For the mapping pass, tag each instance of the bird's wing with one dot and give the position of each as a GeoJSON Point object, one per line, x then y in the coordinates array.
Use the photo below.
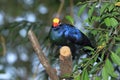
{"type": "Point", "coordinates": [73, 35]}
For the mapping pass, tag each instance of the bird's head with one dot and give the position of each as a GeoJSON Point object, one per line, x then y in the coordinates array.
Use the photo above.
{"type": "Point", "coordinates": [56, 22]}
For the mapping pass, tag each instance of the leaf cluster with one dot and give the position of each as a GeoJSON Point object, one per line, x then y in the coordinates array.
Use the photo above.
{"type": "Point", "coordinates": [104, 26]}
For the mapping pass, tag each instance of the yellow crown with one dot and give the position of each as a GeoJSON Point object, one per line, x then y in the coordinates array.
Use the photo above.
{"type": "Point", "coordinates": [56, 20]}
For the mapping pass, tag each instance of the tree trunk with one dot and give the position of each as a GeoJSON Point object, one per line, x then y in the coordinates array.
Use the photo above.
{"type": "Point", "coordinates": [65, 61]}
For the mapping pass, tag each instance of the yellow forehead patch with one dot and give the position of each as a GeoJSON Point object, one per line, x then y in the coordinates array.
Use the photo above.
{"type": "Point", "coordinates": [56, 20]}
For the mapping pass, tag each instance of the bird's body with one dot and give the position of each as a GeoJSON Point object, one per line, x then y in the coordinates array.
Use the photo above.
{"type": "Point", "coordinates": [68, 35]}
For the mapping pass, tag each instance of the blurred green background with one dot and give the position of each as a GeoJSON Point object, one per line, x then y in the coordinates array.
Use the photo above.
{"type": "Point", "coordinates": [17, 58]}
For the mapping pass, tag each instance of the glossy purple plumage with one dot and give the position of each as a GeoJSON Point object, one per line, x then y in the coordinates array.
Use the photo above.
{"type": "Point", "coordinates": [66, 34]}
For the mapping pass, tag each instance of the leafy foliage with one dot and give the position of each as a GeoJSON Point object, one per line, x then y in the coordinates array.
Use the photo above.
{"type": "Point", "coordinates": [70, 19]}
{"type": "Point", "coordinates": [115, 58]}
{"type": "Point", "coordinates": [103, 19]}
{"type": "Point", "coordinates": [84, 75]}
{"type": "Point", "coordinates": [103, 24]}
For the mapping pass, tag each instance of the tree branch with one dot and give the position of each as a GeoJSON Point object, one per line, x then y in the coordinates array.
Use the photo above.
{"type": "Point", "coordinates": [60, 8]}
{"type": "Point", "coordinates": [51, 72]}
{"type": "Point", "coordinates": [71, 9]}
{"type": "Point", "coordinates": [3, 44]}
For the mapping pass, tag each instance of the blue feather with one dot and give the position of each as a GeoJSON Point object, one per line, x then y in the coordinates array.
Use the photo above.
{"type": "Point", "coordinates": [68, 35]}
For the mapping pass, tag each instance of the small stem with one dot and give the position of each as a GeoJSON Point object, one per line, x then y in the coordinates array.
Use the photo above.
{"type": "Point", "coordinates": [2, 40]}
{"type": "Point", "coordinates": [60, 8]}
{"type": "Point", "coordinates": [88, 62]}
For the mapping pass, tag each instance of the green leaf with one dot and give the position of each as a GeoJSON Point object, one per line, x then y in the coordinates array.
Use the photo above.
{"type": "Point", "coordinates": [115, 58]}
{"type": "Point", "coordinates": [70, 19]}
{"type": "Point", "coordinates": [114, 22]}
{"type": "Point", "coordinates": [115, 13]}
{"type": "Point", "coordinates": [115, 75]}
{"type": "Point", "coordinates": [94, 32]}
{"type": "Point", "coordinates": [110, 22]}
{"type": "Point", "coordinates": [118, 51]}
{"type": "Point", "coordinates": [84, 75]}
{"type": "Point", "coordinates": [104, 74]}
{"type": "Point", "coordinates": [97, 78]}
{"type": "Point", "coordinates": [107, 37]}
{"type": "Point", "coordinates": [107, 22]}
{"type": "Point", "coordinates": [110, 8]}
{"type": "Point", "coordinates": [95, 68]}
{"type": "Point", "coordinates": [77, 77]}
{"type": "Point", "coordinates": [117, 38]}
{"type": "Point", "coordinates": [109, 68]}
{"type": "Point", "coordinates": [90, 12]}
{"type": "Point", "coordinates": [89, 48]}
{"type": "Point", "coordinates": [103, 8]}
{"type": "Point", "coordinates": [75, 68]}
{"type": "Point", "coordinates": [97, 18]}
{"type": "Point", "coordinates": [81, 9]}
{"type": "Point", "coordinates": [79, 3]}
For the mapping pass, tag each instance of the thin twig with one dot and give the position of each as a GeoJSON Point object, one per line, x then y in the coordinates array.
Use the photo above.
{"type": "Point", "coordinates": [3, 43]}
{"type": "Point", "coordinates": [60, 8]}
{"type": "Point", "coordinates": [71, 8]}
